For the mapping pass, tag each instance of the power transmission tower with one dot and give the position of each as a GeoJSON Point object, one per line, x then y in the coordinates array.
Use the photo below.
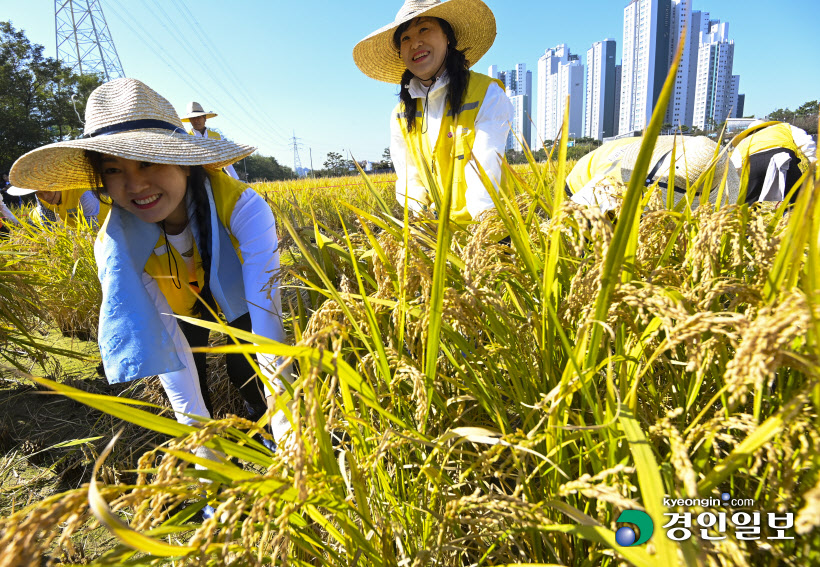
{"type": "Point", "coordinates": [83, 41]}
{"type": "Point", "coordinates": [297, 163]}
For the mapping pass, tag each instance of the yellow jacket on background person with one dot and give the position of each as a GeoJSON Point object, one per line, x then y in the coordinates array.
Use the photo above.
{"type": "Point", "coordinates": [777, 155]}
{"type": "Point", "coordinates": [70, 204]}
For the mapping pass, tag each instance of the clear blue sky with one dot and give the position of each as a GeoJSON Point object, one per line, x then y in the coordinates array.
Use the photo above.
{"type": "Point", "coordinates": [285, 66]}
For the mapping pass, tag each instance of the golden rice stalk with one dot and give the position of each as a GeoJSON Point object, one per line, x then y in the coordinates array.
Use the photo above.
{"type": "Point", "coordinates": [767, 340]}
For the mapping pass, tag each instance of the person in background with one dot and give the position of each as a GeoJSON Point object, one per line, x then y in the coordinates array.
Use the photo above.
{"type": "Point", "coordinates": [777, 155]}
{"type": "Point", "coordinates": [66, 206]}
{"type": "Point", "coordinates": [593, 179]}
{"type": "Point", "coordinates": [196, 117]}
{"type": "Point", "coordinates": [448, 117]}
{"type": "Point", "coordinates": [6, 217]}
{"type": "Point", "coordinates": [10, 200]}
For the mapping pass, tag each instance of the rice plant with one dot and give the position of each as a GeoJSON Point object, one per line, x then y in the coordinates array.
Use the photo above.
{"type": "Point", "coordinates": [66, 287]}
{"type": "Point", "coordinates": [499, 393]}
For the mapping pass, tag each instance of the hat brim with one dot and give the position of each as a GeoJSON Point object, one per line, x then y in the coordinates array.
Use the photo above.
{"type": "Point", "coordinates": [472, 21]}
{"type": "Point", "coordinates": [197, 115]}
{"type": "Point", "coordinates": [19, 192]}
{"type": "Point", "coordinates": [62, 166]}
{"type": "Point", "coordinates": [693, 157]}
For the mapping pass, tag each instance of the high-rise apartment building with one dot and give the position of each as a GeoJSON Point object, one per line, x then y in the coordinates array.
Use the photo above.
{"type": "Point", "coordinates": [699, 23]}
{"type": "Point", "coordinates": [560, 75]}
{"type": "Point", "coordinates": [647, 30]}
{"type": "Point", "coordinates": [616, 118]}
{"type": "Point", "coordinates": [737, 110]}
{"type": "Point", "coordinates": [681, 19]}
{"type": "Point", "coordinates": [715, 99]}
{"type": "Point", "coordinates": [599, 121]}
{"type": "Point", "coordinates": [518, 85]}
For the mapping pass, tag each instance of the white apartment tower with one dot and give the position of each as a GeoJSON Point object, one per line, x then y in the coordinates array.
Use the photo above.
{"type": "Point", "coordinates": [699, 23]}
{"type": "Point", "coordinates": [599, 122]}
{"type": "Point", "coordinates": [715, 98]}
{"type": "Point", "coordinates": [681, 18]}
{"type": "Point", "coordinates": [616, 118]}
{"type": "Point", "coordinates": [560, 74]}
{"type": "Point", "coordinates": [647, 26]}
{"type": "Point", "coordinates": [518, 86]}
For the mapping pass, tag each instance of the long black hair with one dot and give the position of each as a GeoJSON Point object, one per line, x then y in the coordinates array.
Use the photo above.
{"type": "Point", "coordinates": [202, 213]}
{"type": "Point", "coordinates": [455, 64]}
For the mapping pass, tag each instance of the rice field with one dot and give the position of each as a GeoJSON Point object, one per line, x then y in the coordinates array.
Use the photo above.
{"type": "Point", "coordinates": [495, 394]}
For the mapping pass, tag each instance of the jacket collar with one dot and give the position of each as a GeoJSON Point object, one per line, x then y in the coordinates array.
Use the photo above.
{"type": "Point", "coordinates": [417, 90]}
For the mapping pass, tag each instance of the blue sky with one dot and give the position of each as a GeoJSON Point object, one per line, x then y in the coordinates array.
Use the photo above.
{"type": "Point", "coordinates": [276, 67]}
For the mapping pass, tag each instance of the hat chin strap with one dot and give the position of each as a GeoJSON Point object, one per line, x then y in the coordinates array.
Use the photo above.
{"type": "Point", "coordinates": [434, 77]}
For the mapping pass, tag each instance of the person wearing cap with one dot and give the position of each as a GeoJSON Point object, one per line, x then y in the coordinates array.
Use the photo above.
{"type": "Point", "coordinates": [777, 155]}
{"type": "Point", "coordinates": [592, 180]}
{"type": "Point", "coordinates": [196, 117]}
{"type": "Point", "coordinates": [178, 226]}
{"type": "Point", "coordinates": [449, 119]}
{"type": "Point", "coordinates": [65, 206]}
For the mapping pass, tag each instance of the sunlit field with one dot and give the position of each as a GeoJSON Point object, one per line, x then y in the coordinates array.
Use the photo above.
{"type": "Point", "coordinates": [489, 394]}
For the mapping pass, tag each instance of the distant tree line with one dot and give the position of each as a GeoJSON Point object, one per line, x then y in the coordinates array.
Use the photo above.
{"type": "Point", "coordinates": [578, 148]}
{"type": "Point", "coordinates": [262, 168]}
{"type": "Point", "coordinates": [36, 97]}
{"type": "Point", "coordinates": [336, 165]}
{"type": "Point", "coordinates": [804, 117]}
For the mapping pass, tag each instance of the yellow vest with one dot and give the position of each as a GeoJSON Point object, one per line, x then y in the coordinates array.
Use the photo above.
{"type": "Point", "coordinates": [69, 207]}
{"type": "Point", "coordinates": [226, 192]}
{"type": "Point", "coordinates": [598, 162]}
{"type": "Point", "coordinates": [769, 138]}
{"type": "Point", "coordinates": [211, 134]}
{"type": "Point", "coordinates": [448, 160]}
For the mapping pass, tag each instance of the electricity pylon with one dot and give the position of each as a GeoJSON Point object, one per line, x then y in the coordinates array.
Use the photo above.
{"type": "Point", "coordinates": [83, 41]}
{"type": "Point", "coordinates": [297, 163]}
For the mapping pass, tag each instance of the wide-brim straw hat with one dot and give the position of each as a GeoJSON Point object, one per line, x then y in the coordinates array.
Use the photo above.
{"type": "Point", "coordinates": [472, 21]}
{"type": "Point", "coordinates": [194, 110]}
{"type": "Point", "coordinates": [127, 119]}
{"type": "Point", "coordinates": [693, 156]}
{"type": "Point", "coordinates": [18, 192]}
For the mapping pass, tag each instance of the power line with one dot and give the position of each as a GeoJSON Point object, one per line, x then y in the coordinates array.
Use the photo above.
{"type": "Point", "coordinates": [216, 56]}
{"type": "Point", "coordinates": [182, 70]}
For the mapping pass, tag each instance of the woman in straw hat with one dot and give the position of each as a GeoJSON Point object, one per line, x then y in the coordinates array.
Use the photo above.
{"type": "Point", "coordinates": [197, 116]}
{"type": "Point", "coordinates": [448, 117]}
{"type": "Point", "coordinates": [178, 226]}
{"type": "Point", "coordinates": [592, 180]}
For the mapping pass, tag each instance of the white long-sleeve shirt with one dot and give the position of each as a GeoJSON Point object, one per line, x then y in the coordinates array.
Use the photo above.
{"type": "Point", "coordinates": [228, 168]}
{"type": "Point", "coordinates": [6, 213]}
{"type": "Point", "coordinates": [492, 126]}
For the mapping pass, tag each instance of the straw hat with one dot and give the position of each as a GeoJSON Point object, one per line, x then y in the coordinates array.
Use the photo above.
{"type": "Point", "coordinates": [18, 192]}
{"type": "Point", "coordinates": [195, 109]}
{"type": "Point", "coordinates": [127, 119]}
{"type": "Point", "coordinates": [472, 21]}
{"type": "Point", "coordinates": [693, 156]}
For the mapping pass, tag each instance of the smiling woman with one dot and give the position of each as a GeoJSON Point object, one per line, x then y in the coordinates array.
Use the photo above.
{"type": "Point", "coordinates": [179, 230]}
{"type": "Point", "coordinates": [449, 119]}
